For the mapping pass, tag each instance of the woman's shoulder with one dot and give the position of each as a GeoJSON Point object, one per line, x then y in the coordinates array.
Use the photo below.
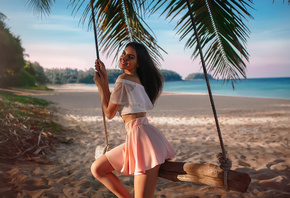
{"type": "Point", "coordinates": [122, 76]}
{"type": "Point", "coordinates": [125, 78]}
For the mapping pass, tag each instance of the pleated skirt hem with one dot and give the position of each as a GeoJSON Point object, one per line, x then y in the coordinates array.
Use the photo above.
{"type": "Point", "coordinates": [145, 147]}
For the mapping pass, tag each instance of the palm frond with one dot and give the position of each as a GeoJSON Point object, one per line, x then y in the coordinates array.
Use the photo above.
{"type": "Point", "coordinates": [221, 29]}
{"type": "Point", "coordinates": [283, 1]}
{"type": "Point", "coordinates": [40, 7]}
{"type": "Point", "coordinates": [119, 22]}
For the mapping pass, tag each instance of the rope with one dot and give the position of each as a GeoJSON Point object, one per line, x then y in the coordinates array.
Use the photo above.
{"type": "Point", "coordinates": [95, 30]}
{"type": "Point", "coordinates": [225, 165]}
{"type": "Point", "coordinates": [107, 147]}
{"type": "Point", "coordinates": [222, 156]}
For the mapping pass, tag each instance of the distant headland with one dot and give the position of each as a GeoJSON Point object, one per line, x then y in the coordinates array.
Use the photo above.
{"type": "Point", "coordinates": [197, 76]}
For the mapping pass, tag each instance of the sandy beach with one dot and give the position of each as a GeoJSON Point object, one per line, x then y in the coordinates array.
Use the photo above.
{"type": "Point", "coordinates": [256, 134]}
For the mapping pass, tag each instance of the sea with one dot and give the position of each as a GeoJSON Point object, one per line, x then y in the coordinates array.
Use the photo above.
{"type": "Point", "coordinates": [251, 87]}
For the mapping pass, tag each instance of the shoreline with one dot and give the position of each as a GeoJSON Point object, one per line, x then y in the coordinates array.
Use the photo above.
{"type": "Point", "coordinates": [203, 94]}
{"type": "Point", "coordinates": [95, 90]}
{"type": "Point", "coordinates": [255, 132]}
{"type": "Point", "coordinates": [82, 87]}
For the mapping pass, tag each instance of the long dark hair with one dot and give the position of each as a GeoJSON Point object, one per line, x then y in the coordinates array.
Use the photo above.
{"type": "Point", "coordinates": [148, 72]}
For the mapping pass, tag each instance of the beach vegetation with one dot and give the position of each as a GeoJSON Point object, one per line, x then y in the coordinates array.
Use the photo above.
{"type": "Point", "coordinates": [37, 72]}
{"type": "Point", "coordinates": [11, 56]}
{"type": "Point", "coordinates": [10, 97]}
{"type": "Point", "coordinates": [112, 76]}
{"type": "Point", "coordinates": [67, 75]}
{"type": "Point", "coordinates": [23, 79]}
{"type": "Point", "coordinates": [14, 70]}
{"type": "Point", "coordinates": [31, 76]}
{"type": "Point", "coordinates": [27, 127]}
{"type": "Point", "coordinates": [88, 79]}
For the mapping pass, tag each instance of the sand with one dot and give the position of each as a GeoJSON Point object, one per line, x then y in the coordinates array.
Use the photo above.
{"type": "Point", "coordinates": [256, 134]}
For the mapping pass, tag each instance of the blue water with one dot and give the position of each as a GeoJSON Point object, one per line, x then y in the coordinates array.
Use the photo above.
{"type": "Point", "coordinates": [253, 87]}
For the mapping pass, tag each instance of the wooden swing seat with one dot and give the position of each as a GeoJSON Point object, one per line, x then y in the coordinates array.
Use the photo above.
{"type": "Point", "coordinates": [206, 174]}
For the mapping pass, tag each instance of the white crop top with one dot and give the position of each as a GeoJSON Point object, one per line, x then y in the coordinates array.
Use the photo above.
{"type": "Point", "coordinates": [131, 97]}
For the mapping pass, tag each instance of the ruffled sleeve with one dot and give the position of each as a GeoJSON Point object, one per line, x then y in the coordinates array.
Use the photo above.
{"type": "Point", "coordinates": [130, 94]}
{"type": "Point", "coordinates": [120, 94]}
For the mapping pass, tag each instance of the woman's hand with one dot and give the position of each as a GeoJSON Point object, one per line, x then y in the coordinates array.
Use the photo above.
{"type": "Point", "coordinates": [101, 77]}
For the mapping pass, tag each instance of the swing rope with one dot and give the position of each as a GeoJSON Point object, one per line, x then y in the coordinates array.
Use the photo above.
{"type": "Point", "coordinates": [107, 147]}
{"type": "Point", "coordinates": [225, 163]}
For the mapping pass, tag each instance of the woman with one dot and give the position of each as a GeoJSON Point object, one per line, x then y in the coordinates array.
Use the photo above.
{"type": "Point", "coordinates": [145, 148]}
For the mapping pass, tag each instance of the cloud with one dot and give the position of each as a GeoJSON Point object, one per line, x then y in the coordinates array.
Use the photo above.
{"type": "Point", "coordinates": [55, 55]}
{"type": "Point", "coordinates": [274, 51]}
{"type": "Point", "coordinates": [74, 55]}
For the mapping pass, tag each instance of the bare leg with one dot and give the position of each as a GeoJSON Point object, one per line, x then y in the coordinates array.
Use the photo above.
{"type": "Point", "coordinates": [145, 184]}
{"type": "Point", "coordinates": [102, 171]}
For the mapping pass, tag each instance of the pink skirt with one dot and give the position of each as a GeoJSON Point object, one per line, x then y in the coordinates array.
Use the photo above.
{"type": "Point", "coordinates": [145, 148]}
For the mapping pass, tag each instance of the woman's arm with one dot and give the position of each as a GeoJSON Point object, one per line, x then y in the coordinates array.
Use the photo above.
{"type": "Point", "coordinates": [101, 80]}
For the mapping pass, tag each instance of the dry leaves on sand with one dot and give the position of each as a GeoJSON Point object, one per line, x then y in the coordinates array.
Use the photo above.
{"type": "Point", "coordinates": [26, 130]}
{"type": "Point", "coordinates": [18, 139]}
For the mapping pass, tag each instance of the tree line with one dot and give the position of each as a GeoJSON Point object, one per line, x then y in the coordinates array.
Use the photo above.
{"type": "Point", "coordinates": [67, 75]}
{"type": "Point", "coordinates": [14, 70]}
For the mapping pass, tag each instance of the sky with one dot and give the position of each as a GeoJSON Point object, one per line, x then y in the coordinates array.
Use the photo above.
{"type": "Point", "coordinates": [59, 41]}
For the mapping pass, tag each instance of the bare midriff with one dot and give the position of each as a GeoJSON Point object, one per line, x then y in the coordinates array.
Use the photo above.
{"type": "Point", "coordinates": [128, 117]}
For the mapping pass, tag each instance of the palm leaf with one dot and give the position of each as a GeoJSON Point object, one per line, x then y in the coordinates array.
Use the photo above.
{"type": "Point", "coordinates": [283, 1]}
{"type": "Point", "coordinates": [40, 7]}
{"type": "Point", "coordinates": [223, 34]}
{"type": "Point", "coordinates": [119, 22]}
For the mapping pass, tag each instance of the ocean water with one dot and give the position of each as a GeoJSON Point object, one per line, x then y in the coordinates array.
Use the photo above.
{"type": "Point", "coordinates": [253, 87]}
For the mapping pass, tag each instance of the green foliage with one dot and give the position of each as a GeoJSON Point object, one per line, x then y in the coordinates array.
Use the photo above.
{"type": "Point", "coordinates": [23, 79]}
{"type": "Point", "coordinates": [37, 72]}
{"type": "Point", "coordinates": [22, 99]}
{"type": "Point", "coordinates": [11, 56]}
{"type": "Point", "coordinates": [67, 75]}
{"type": "Point", "coordinates": [29, 68]}
{"type": "Point", "coordinates": [63, 76]}
{"type": "Point", "coordinates": [58, 80]}
{"type": "Point", "coordinates": [89, 79]}
{"type": "Point", "coordinates": [197, 76]}
{"type": "Point", "coordinates": [170, 75]}
{"type": "Point", "coordinates": [14, 71]}
{"type": "Point", "coordinates": [4, 78]}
